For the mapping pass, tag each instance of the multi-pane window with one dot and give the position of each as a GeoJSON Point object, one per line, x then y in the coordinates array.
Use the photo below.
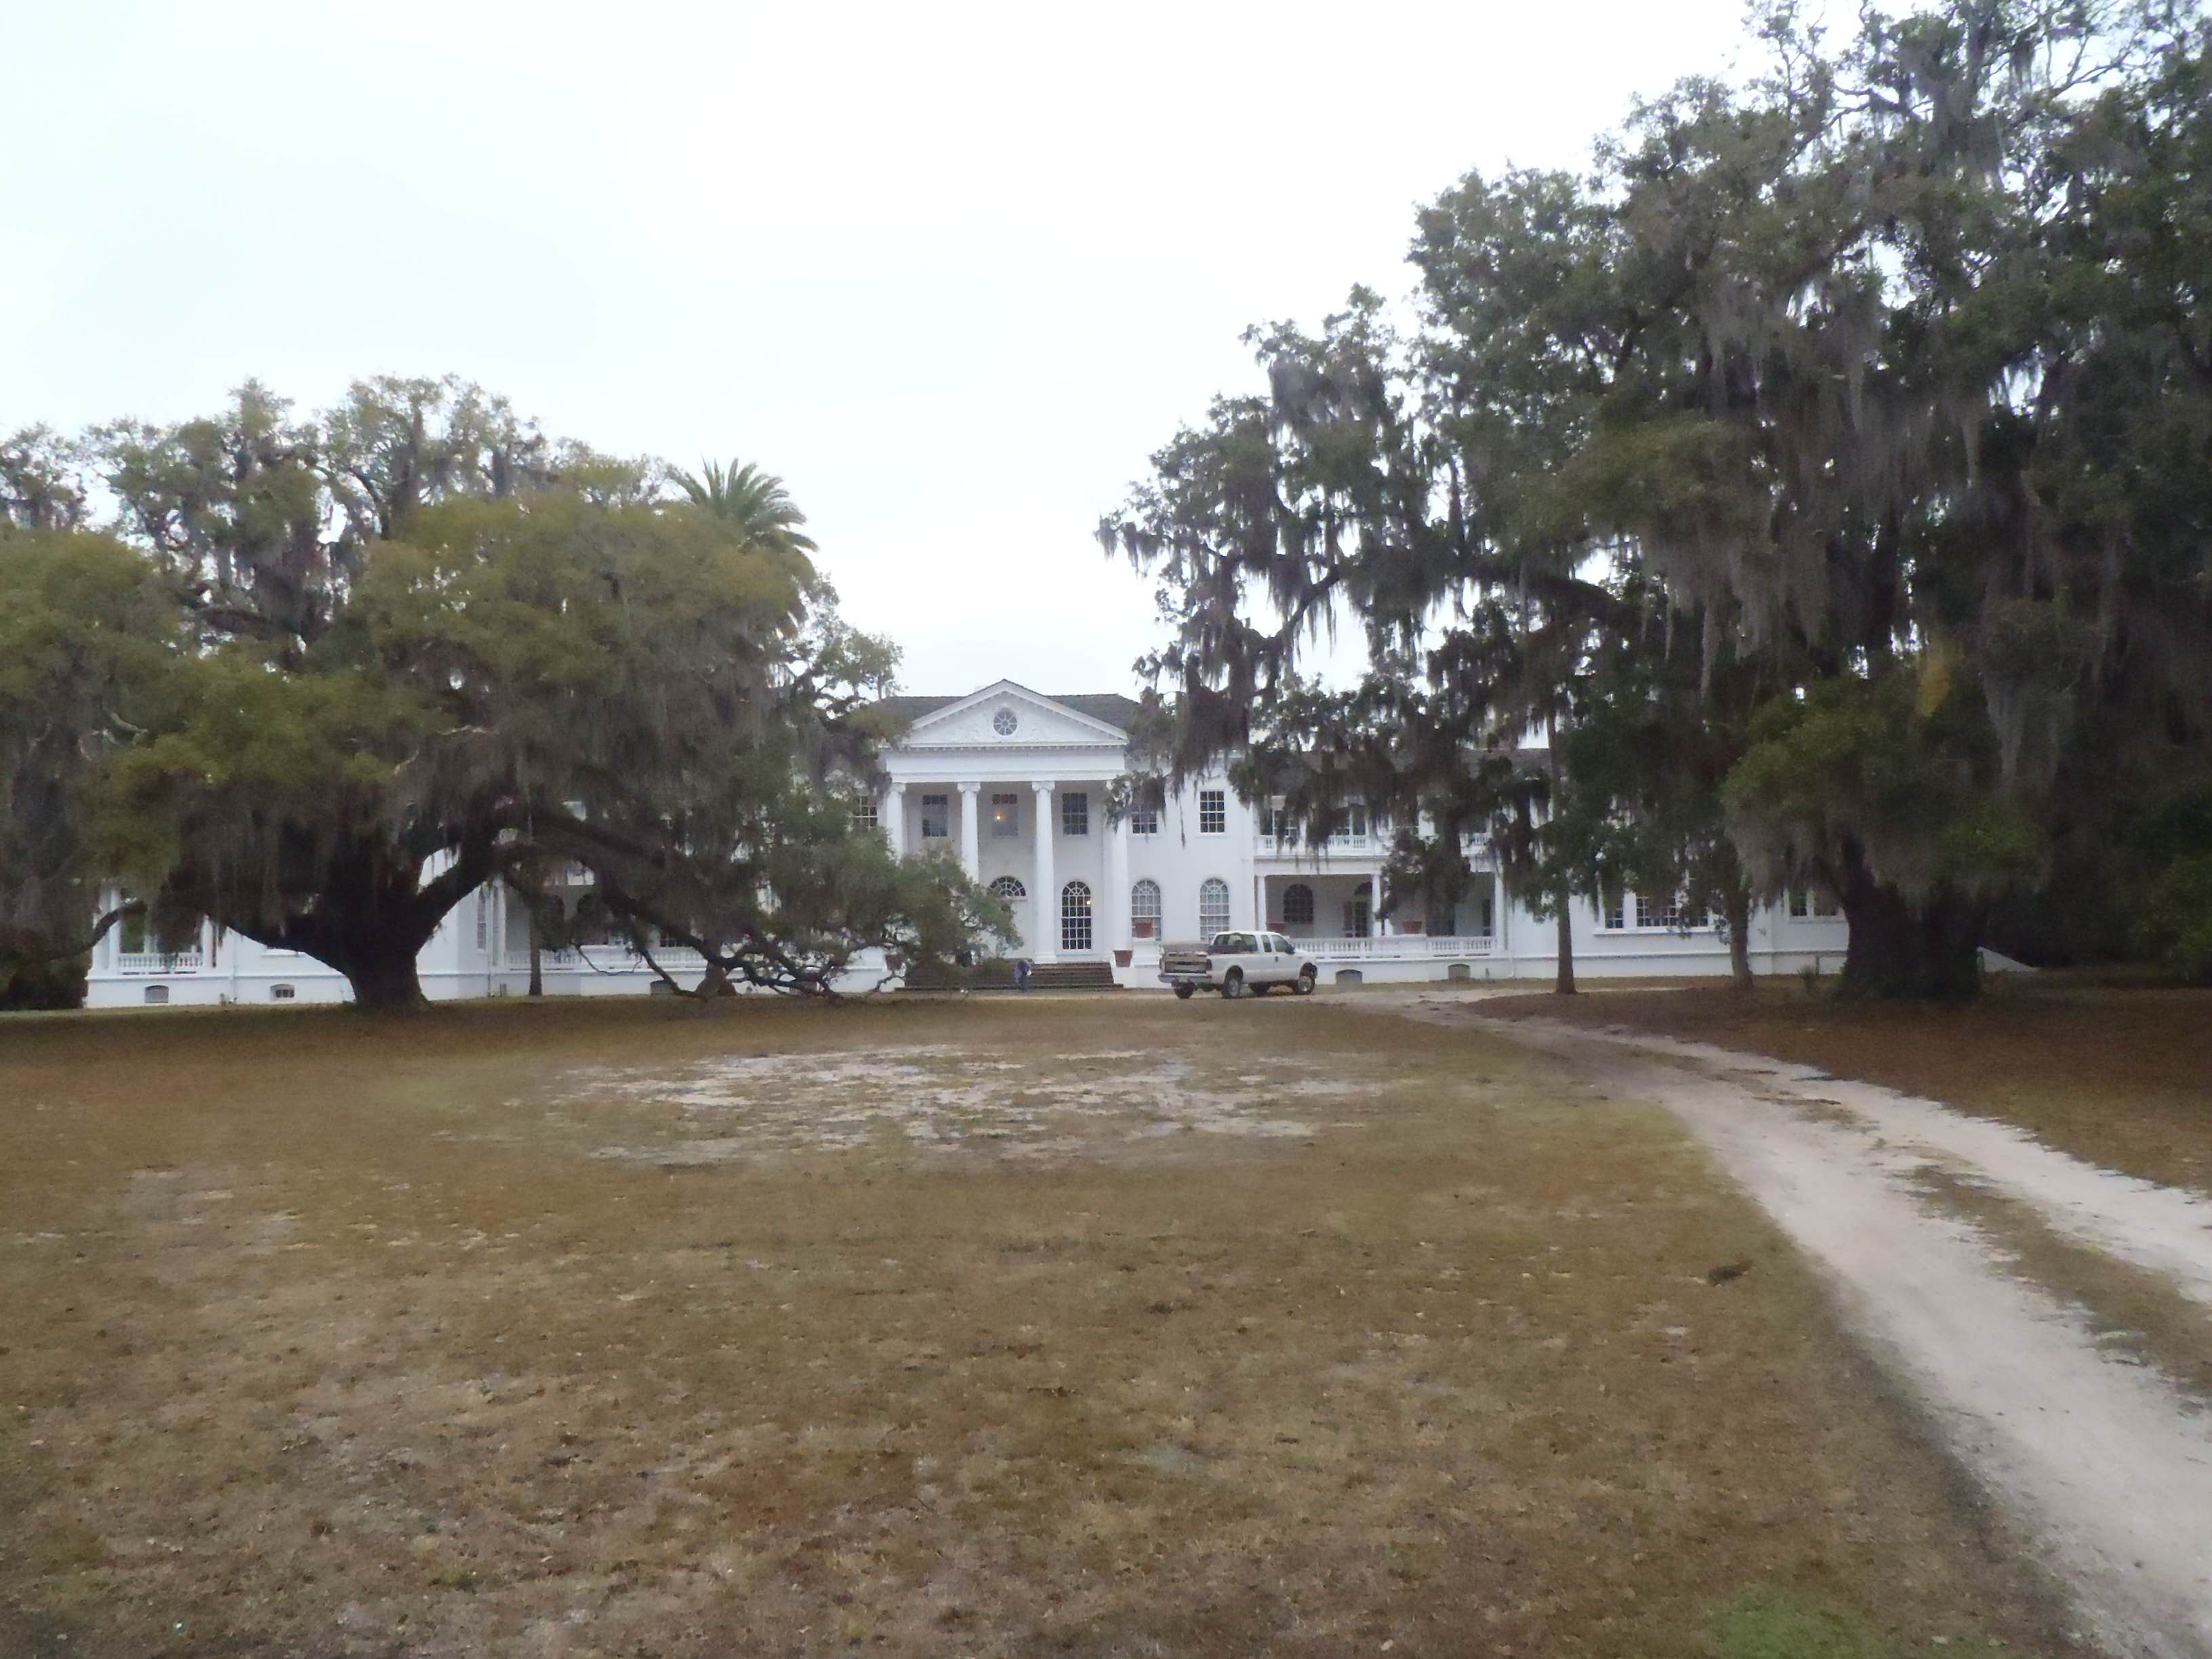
{"type": "Point", "coordinates": [1010, 888]}
{"type": "Point", "coordinates": [1214, 811]}
{"type": "Point", "coordinates": [865, 815]}
{"type": "Point", "coordinates": [1616, 910]}
{"type": "Point", "coordinates": [1805, 902]}
{"type": "Point", "coordinates": [484, 917]}
{"type": "Point", "coordinates": [1144, 810]}
{"type": "Point", "coordinates": [1144, 909]}
{"type": "Point", "coordinates": [1075, 813]}
{"type": "Point", "coordinates": [1075, 916]}
{"type": "Point", "coordinates": [1276, 823]}
{"type": "Point", "coordinates": [1005, 817]}
{"type": "Point", "coordinates": [1213, 906]}
{"type": "Point", "coordinates": [1652, 912]}
{"type": "Point", "coordinates": [936, 816]}
{"type": "Point", "coordinates": [1297, 905]}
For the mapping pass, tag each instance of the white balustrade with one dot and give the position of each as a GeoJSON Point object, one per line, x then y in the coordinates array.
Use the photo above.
{"type": "Point", "coordinates": [159, 962]}
{"type": "Point", "coordinates": [611, 958]}
{"type": "Point", "coordinates": [1396, 946]}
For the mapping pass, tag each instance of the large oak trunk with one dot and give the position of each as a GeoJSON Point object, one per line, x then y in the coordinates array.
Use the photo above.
{"type": "Point", "coordinates": [373, 910]}
{"type": "Point", "coordinates": [1930, 952]}
{"type": "Point", "coordinates": [382, 971]}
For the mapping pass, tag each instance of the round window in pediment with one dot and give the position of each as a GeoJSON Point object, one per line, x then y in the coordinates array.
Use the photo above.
{"type": "Point", "coordinates": [1005, 722]}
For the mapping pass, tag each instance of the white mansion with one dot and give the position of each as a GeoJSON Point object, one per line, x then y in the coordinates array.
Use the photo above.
{"type": "Point", "coordinates": [1018, 783]}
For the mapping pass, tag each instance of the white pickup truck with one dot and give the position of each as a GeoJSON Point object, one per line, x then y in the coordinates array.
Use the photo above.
{"type": "Point", "coordinates": [1238, 964]}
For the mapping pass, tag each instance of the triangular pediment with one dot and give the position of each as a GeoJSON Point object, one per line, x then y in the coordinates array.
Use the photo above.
{"type": "Point", "coordinates": [1009, 715]}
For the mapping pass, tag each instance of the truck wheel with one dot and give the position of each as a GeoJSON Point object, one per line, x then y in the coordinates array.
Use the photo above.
{"type": "Point", "coordinates": [1233, 985]}
{"type": "Point", "coordinates": [1305, 982]}
{"type": "Point", "coordinates": [1183, 993]}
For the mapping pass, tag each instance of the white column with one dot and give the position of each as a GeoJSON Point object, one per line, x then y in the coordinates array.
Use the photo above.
{"type": "Point", "coordinates": [1114, 908]}
{"type": "Point", "coordinates": [895, 819]}
{"type": "Point", "coordinates": [971, 840]}
{"type": "Point", "coordinates": [1044, 891]}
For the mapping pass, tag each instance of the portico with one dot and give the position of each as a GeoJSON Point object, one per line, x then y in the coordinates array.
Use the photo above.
{"type": "Point", "coordinates": [1017, 787]}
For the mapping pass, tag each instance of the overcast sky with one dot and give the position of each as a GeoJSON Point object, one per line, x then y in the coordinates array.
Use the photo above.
{"type": "Point", "coordinates": [954, 272]}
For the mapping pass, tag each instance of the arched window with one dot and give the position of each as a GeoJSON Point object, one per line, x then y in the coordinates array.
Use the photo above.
{"type": "Point", "coordinates": [1075, 916]}
{"type": "Point", "coordinates": [1144, 909]}
{"type": "Point", "coordinates": [1297, 905]}
{"type": "Point", "coordinates": [1010, 888]}
{"type": "Point", "coordinates": [1213, 907]}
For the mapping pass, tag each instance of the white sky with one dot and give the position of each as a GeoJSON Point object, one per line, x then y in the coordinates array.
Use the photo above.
{"type": "Point", "coordinates": [953, 272]}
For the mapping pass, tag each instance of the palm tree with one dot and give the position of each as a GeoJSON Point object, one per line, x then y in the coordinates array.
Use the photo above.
{"type": "Point", "coordinates": [754, 501]}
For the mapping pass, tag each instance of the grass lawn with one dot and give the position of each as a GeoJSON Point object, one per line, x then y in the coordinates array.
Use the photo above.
{"type": "Point", "coordinates": [1100, 1327]}
{"type": "Point", "coordinates": [2120, 1076]}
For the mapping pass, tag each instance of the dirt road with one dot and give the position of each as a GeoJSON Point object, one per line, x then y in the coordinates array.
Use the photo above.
{"type": "Point", "coordinates": [2101, 1462]}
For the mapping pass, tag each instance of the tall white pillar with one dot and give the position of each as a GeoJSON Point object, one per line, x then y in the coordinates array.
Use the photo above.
{"type": "Point", "coordinates": [895, 819]}
{"type": "Point", "coordinates": [1113, 906]}
{"type": "Point", "coordinates": [1044, 891]}
{"type": "Point", "coordinates": [971, 840]}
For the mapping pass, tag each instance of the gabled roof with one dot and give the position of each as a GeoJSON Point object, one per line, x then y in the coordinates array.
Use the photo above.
{"type": "Point", "coordinates": [1109, 708]}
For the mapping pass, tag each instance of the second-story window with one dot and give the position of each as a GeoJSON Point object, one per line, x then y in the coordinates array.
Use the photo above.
{"type": "Point", "coordinates": [1212, 812]}
{"type": "Point", "coordinates": [936, 818]}
{"type": "Point", "coordinates": [864, 815]}
{"type": "Point", "coordinates": [1144, 810]}
{"type": "Point", "coordinates": [1075, 813]}
{"type": "Point", "coordinates": [1005, 817]}
{"type": "Point", "coordinates": [1276, 823]}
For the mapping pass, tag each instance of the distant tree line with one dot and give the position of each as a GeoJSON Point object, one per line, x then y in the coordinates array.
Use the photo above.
{"type": "Point", "coordinates": [1822, 479]}
{"type": "Point", "coordinates": [317, 678]}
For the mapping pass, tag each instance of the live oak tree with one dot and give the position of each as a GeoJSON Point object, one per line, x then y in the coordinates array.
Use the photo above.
{"type": "Point", "coordinates": [1864, 405]}
{"type": "Point", "coordinates": [675, 705]}
{"type": "Point", "coordinates": [425, 647]}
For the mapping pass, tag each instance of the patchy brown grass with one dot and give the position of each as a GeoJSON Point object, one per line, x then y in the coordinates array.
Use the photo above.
{"type": "Point", "coordinates": [2119, 1075]}
{"type": "Point", "coordinates": [1152, 1329]}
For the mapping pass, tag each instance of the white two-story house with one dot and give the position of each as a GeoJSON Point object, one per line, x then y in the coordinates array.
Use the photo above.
{"type": "Point", "coordinates": [1016, 784]}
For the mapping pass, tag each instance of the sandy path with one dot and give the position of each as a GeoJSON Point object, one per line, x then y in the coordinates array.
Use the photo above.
{"type": "Point", "coordinates": [2097, 1459]}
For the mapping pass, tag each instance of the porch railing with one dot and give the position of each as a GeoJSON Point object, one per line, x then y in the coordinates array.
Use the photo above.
{"type": "Point", "coordinates": [613, 958]}
{"type": "Point", "coordinates": [1396, 946]}
{"type": "Point", "coordinates": [159, 962]}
